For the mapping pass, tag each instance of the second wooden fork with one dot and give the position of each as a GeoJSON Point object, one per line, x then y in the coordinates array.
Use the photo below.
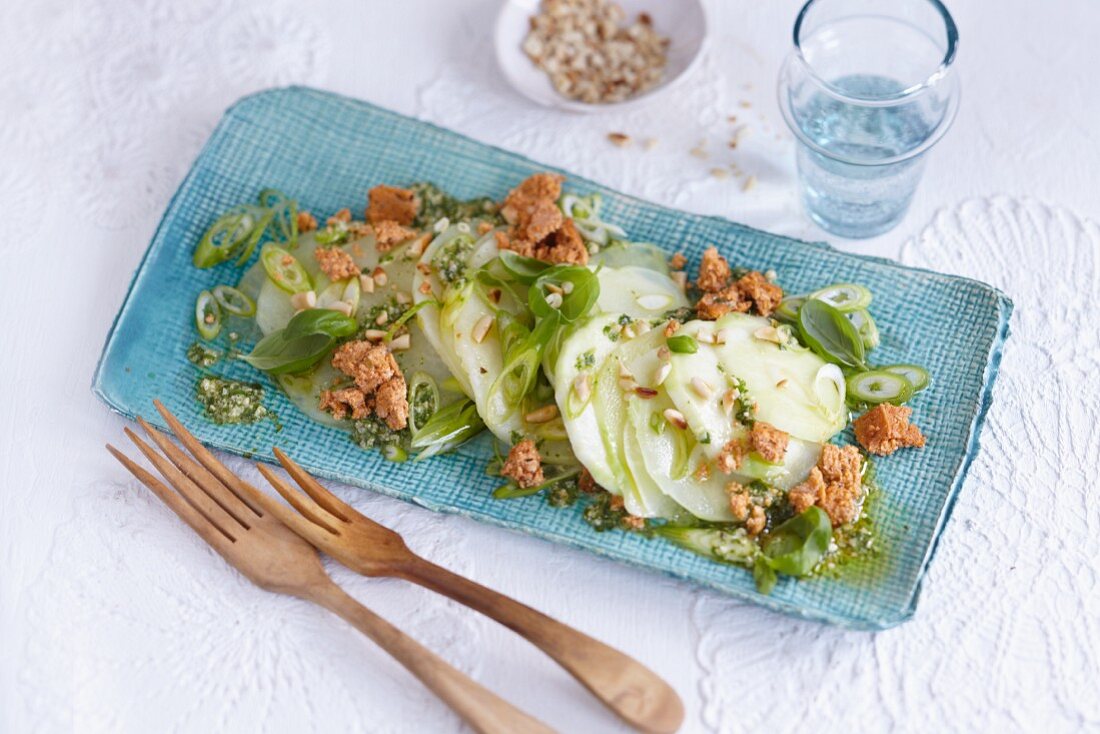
{"type": "Point", "coordinates": [632, 691]}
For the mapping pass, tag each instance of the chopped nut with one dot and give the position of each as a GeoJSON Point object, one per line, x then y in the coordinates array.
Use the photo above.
{"type": "Point", "coordinates": [382, 318]}
{"type": "Point", "coordinates": [620, 139]}
{"type": "Point", "coordinates": [675, 417]}
{"type": "Point", "coordinates": [366, 283]}
{"type": "Point", "coordinates": [304, 300]}
{"type": "Point", "coordinates": [523, 465]}
{"type": "Point", "coordinates": [342, 306]}
{"type": "Point", "coordinates": [582, 386]}
{"type": "Point", "coordinates": [402, 298]}
{"type": "Point", "coordinates": [646, 393]}
{"type": "Point", "coordinates": [481, 328]}
{"type": "Point", "coordinates": [380, 277]}
{"type": "Point", "coordinates": [400, 343]}
{"type": "Point", "coordinates": [662, 374]}
{"type": "Point", "coordinates": [701, 387]}
{"type": "Point", "coordinates": [545, 414]}
{"type": "Point", "coordinates": [374, 334]}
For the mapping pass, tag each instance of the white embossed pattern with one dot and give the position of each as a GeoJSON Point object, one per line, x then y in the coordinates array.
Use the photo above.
{"type": "Point", "coordinates": [1007, 634]}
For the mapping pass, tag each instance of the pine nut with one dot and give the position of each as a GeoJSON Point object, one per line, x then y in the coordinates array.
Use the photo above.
{"type": "Point", "coordinates": [675, 417]}
{"type": "Point", "coordinates": [400, 343]}
{"type": "Point", "coordinates": [374, 334]}
{"type": "Point", "coordinates": [380, 277]}
{"type": "Point", "coordinates": [645, 392]}
{"type": "Point", "coordinates": [554, 300]}
{"type": "Point", "coordinates": [582, 385]}
{"type": "Point", "coordinates": [664, 355]}
{"type": "Point", "coordinates": [342, 306]}
{"type": "Point", "coordinates": [553, 288]}
{"type": "Point", "coordinates": [723, 336]}
{"type": "Point", "coordinates": [366, 283]}
{"type": "Point", "coordinates": [382, 318]}
{"type": "Point", "coordinates": [701, 388]}
{"type": "Point", "coordinates": [481, 328]}
{"type": "Point", "coordinates": [402, 298]}
{"type": "Point", "coordinates": [567, 287]}
{"type": "Point", "coordinates": [304, 300]}
{"type": "Point", "coordinates": [662, 373]}
{"type": "Point", "coordinates": [545, 414]}
{"type": "Point", "coordinates": [768, 334]}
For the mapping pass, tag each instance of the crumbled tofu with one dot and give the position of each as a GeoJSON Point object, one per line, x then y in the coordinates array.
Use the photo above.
{"type": "Point", "coordinates": [343, 402]}
{"type": "Point", "coordinates": [769, 441]}
{"type": "Point", "coordinates": [306, 222]}
{"type": "Point", "coordinates": [633, 522]}
{"type": "Point", "coordinates": [484, 228]}
{"type": "Point", "coordinates": [677, 261]}
{"type": "Point", "coordinates": [758, 519]}
{"type": "Point", "coordinates": [751, 290]}
{"type": "Point", "coordinates": [730, 457]}
{"type": "Point", "coordinates": [840, 470]}
{"type": "Point", "coordinates": [341, 217]}
{"type": "Point", "coordinates": [714, 271]}
{"type": "Point", "coordinates": [531, 208]}
{"type": "Point", "coordinates": [739, 501]}
{"type": "Point", "coordinates": [808, 493]}
{"type": "Point", "coordinates": [563, 246]}
{"type": "Point", "coordinates": [389, 203]}
{"type": "Point", "coordinates": [388, 233]}
{"type": "Point", "coordinates": [586, 483]}
{"type": "Point", "coordinates": [713, 306]}
{"type": "Point", "coordinates": [886, 428]}
{"type": "Point", "coordinates": [377, 378]}
{"type": "Point", "coordinates": [764, 295]}
{"type": "Point", "coordinates": [335, 263]}
{"type": "Point", "coordinates": [524, 465]}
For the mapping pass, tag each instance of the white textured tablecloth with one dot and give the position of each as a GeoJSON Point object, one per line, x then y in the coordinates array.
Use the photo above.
{"type": "Point", "coordinates": [113, 617]}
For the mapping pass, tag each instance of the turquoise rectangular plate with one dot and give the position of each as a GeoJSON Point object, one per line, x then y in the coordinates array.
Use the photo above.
{"type": "Point", "coordinates": [327, 150]}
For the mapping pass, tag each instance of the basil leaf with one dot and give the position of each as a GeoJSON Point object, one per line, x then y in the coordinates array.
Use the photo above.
{"type": "Point", "coordinates": [308, 338]}
{"type": "Point", "coordinates": [832, 336]}
{"type": "Point", "coordinates": [796, 546]}
{"type": "Point", "coordinates": [523, 269]}
{"type": "Point", "coordinates": [584, 290]}
{"type": "Point", "coordinates": [682, 344]}
{"type": "Point", "coordinates": [321, 321]}
{"type": "Point", "coordinates": [278, 354]}
{"type": "Point", "coordinates": [764, 576]}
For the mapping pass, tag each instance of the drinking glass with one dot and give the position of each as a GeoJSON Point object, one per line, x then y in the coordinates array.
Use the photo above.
{"type": "Point", "coordinates": [867, 90]}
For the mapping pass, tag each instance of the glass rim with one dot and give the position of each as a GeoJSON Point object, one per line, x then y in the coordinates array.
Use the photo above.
{"type": "Point", "coordinates": [941, 70]}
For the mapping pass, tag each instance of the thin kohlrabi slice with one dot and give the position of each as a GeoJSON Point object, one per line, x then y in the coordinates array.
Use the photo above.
{"type": "Point", "coordinates": [638, 292]}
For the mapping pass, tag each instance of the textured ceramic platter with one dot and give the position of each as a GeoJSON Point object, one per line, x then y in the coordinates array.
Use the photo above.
{"type": "Point", "coordinates": [326, 151]}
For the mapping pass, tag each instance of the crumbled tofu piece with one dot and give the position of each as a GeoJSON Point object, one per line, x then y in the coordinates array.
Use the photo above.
{"type": "Point", "coordinates": [359, 229]}
{"type": "Point", "coordinates": [335, 263]}
{"type": "Point", "coordinates": [377, 377]}
{"type": "Point", "coordinates": [739, 501]}
{"type": "Point", "coordinates": [524, 465]}
{"type": "Point", "coordinates": [343, 402]}
{"type": "Point", "coordinates": [531, 208]}
{"type": "Point", "coordinates": [764, 295]}
{"type": "Point", "coordinates": [586, 483]}
{"type": "Point", "coordinates": [730, 457]}
{"type": "Point", "coordinates": [563, 246]}
{"type": "Point", "coordinates": [306, 222]}
{"type": "Point", "coordinates": [886, 428]}
{"type": "Point", "coordinates": [840, 470]}
{"type": "Point", "coordinates": [751, 290]}
{"type": "Point", "coordinates": [389, 203]}
{"type": "Point", "coordinates": [388, 233]}
{"type": "Point", "coordinates": [633, 522]}
{"type": "Point", "coordinates": [714, 271]}
{"type": "Point", "coordinates": [484, 228]}
{"type": "Point", "coordinates": [677, 261]}
{"type": "Point", "coordinates": [758, 519]}
{"type": "Point", "coordinates": [769, 441]}
{"type": "Point", "coordinates": [808, 493]}
{"type": "Point", "coordinates": [341, 217]}
{"type": "Point", "coordinates": [713, 306]}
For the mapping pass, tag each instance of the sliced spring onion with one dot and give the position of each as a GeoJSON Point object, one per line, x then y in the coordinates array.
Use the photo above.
{"type": "Point", "coordinates": [865, 325]}
{"type": "Point", "coordinates": [233, 301]}
{"type": "Point", "coordinates": [447, 429]}
{"type": "Point", "coordinates": [393, 452]}
{"type": "Point", "coordinates": [879, 386]}
{"type": "Point", "coordinates": [208, 315]}
{"type": "Point", "coordinates": [401, 320]}
{"type": "Point", "coordinates": [788, 308]}
{"type": "Point", "coordinates": [421, 384]}
{"type": "Point", "coordinates": [284, 269]}
{"type": "Point", "coordinates": [233, 233]}
{"type": "Point", "coordinates": [683, 344]}
{"type": "Point", "coordinates": [918, 376]}
{"type": "Point", "coordinates": [511, 491]}
{"type": "Point", "coordinates": [284, 216]}
{"type": "Point", "coordinates": [844, 297]}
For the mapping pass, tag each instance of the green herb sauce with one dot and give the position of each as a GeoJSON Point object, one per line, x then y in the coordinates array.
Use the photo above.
{"type": "Point", "coordinates": [373, 433]}
{"type": "Point", "coordinates": [231, 402]}
{"type": "Point", "coordinates": [450, 262]}
{"type": "Point", "coordinates": [586, 360]}
{"type": "Point", "coordinates": [201, 355]}
{"type": "Point", "coordinates": [436, 204]}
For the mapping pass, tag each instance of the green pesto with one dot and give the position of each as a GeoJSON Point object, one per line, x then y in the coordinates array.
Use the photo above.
{"type": "Point", "coordinates": [588, 359]}
{"type": "Point", "coordinates": [373, 433]}
{"type": "Point", "coordinates": [450, 262]}
{"type": "Point", "coordinates": [422, 406]}
{"type": "Point", "coordinates": [436, 204]}
{"type": "Point", "coordinates": [201, 355]}
{"type": "Point", "coordinates": [230, 401]}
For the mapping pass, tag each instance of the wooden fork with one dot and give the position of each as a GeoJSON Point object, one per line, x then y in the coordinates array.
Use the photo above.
{"type": "Point", "coordinates": [228, 513]}
{"type": "Point", "coordinates": [632, 691]}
